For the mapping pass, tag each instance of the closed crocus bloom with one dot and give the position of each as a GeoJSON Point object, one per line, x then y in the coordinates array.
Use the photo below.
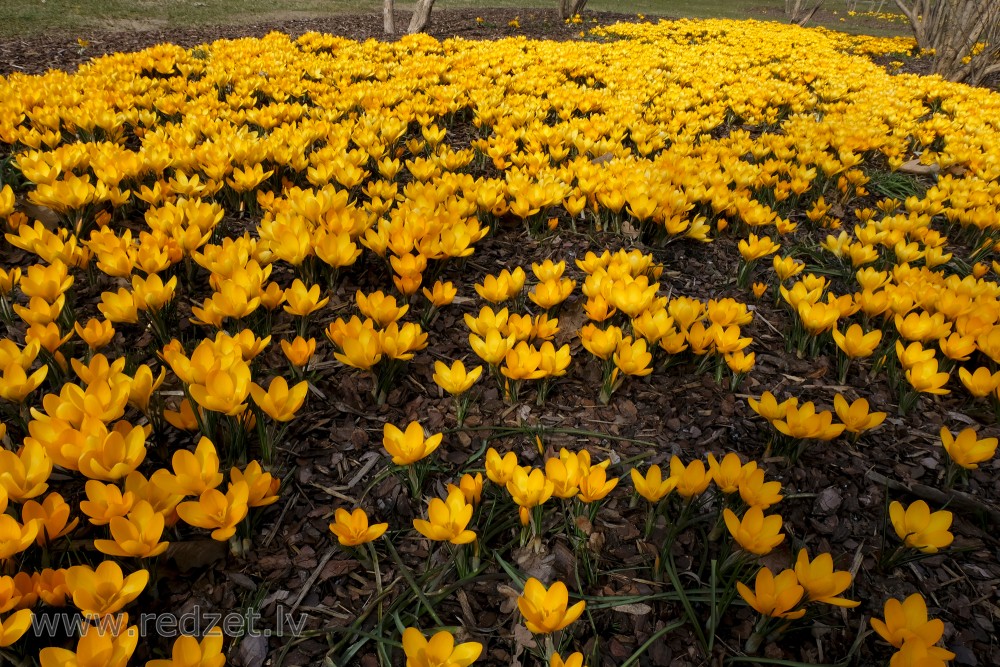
{"type": "Point", "coordinates": [439, 651]}
{"type": "Point", "coordinates": [401, 342]}
{"type": "Point", "coordinates": [194, 473]}
{"type": "Point", "coordinates": [410, 446]}
{"type": "Point", "coordinates": [981, 382]}
{"type": "Point", "coordinates": [301, 300]}
{"type": "Point", "coordinates": [46, 282]}
{"type": "Point", "coordinates": [51, 587]}
{"type": "Point", "coordinates": [602, 343]}
{"type": "Point", "coordinates": [774, 596]}
{"type": "Point", "coordinates": [455, 380]}
{"type": "Point", "coordinates": [352, 529]}
{"type": "Point", "coordinates": [447, 519]}
{"type": "Point", "coordinates": [855, 343]}
{"type": "Point", "coordinates": [818, 317]}
{"type": "Point", "coordinates": [142, 386]}
{"type": "Point", "coordinates": [361, 352]}
{"type": "Point", "coordinates": [598, 308]}
{"type": "Point", "coordinates": [471, 487]}
{"type": "Point", "coordinates": [804, 423]}
{"type": "Point", "coordinates": [15, 537]}
{"type": "Point", "coordinates": [551, 293]}
{"type": "Point", "coordinates": [919, 528]}
{"type": "Point", "coordinates": [183, 417]}
{"type": "Point", "coordinates": [565, 474]}
{"type": "Point", "coordinates": [754, 247]}
{"type": "Point", "coordinates": [441, 294]}
{"type": "Point", "coordinates": [263, 487]}
{"type": "Point", "coordinates": [39, 311]}
{"type": "Point", "coordinates": [118, 307]}
{"type": "Point", "coordinates": [379, 307]}
{"type": "Point", "coordinates": [47, 336]}
{"type": "Point", "coordinates": [856, 415]}
{"type": "Point", "coordinates": [500, 470]}
{"type": "Point", "coordinates": [652, 486]}
{"type": "Point", "coordinates": [912, 354]}
{"type": "Point", "coordinates": [728, 474]}
{"type": "Point", "coordinates": [821, 582]}
{"type": "Point", "coordinates": [554, 361]}
{"type": "Point", "coordinates": [492, 348]}
{"type": "Point", "coordinates": [136, 535]}
{"type": "Point", "coordinates": [755, 533]}
{"type": "Point", "coordinates": [224, 390]}
{"type": "Point", "coordinates": [161, 500]}
{"type": "Point", "coordinates": [690, 480]}
{"type": "Point", "coordinates": [522, 362]}
{"type": "Point", "coordinates": [96, 334]}
{"type": "Point", "coordinates": [529, 490]}
{"type": "Point", "coordinates": [15, 384]}
{"type": "Point", "coordinates": [119, 453]}
{"type": "Point", "coordinates": [756, 492]}
{"type": "Point", "coordinates": [769, 408]}
{"type": "Point", "coordinates": [14, 627]}
{"type": "Point", "coordinates": [956, 346]}
{"type": "Point", "coordinates": [595, 485]}
{"type": "Point", "coordinates": [105, 590]}
{"type": "Point", "coordinates": [299, 351]}
{"type": "Point", "coordinates": [925, 378]}
{"type": "Point", "coordinates": [487, 320]}
{"type": "Point", "coordinates": [913, 652]}
{"type": "Point", "coordinates": [495, 289]}
{"type": "Point", "coordinates": [217, 512]}
{"type": "Point", "coordinates": [906, 621]}
{"type": "Point", "coordinates": [105, 501]}
{"type": "Point", "coordinates": [152, 293]}
{"type": "Point", "coordinates": [633, 358]}
{"type": "Point", "coordinates": [8, 279]}
{"type": "Point", "coordinates": [189, 652]}
{"type": "Point", "coordinates": [574, 660]}
{"type": "Point", "coordinates": [52, 515]}
{"type": "Point", "coordinates": [25, 475]}
{"type": "Point", "coordinates": [279, 402]}
{"type": "Point", "coordinates": [786, 267]}
{"type": "Point", "coordinates": [967, 450]}
{"type": "Point", "coordinates": [547, 610]}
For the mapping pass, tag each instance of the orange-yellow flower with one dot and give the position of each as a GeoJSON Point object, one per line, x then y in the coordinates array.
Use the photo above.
{"type": "Point", "coordinates": [919, 528]}
{"type": "Point", "coordinates": [907, 620]}
{"type": "Point", "coordinates": [455, 380]}
{"type": "Point", "coordinates": [352, 529]}
{"type": "Point", "coordinates": [105, 590]}
{"type": "Point", "coordinates": [774, 596]}
{"type": "Point", "coordinates": [279, 402]}
{"type": "Point", "coordinates": [447, 519]}
{"type": "Point", "coordinates": [755, 532]}
{"type": "Point", "coordinates": [218, 512]}
{"type": "Point", "coordinates": [189, 652]}
{"type": "Point", "coordinates": [439, 651]}
{"type": "Point", "coordinates": [820, 581]}
{"type": "Point", "coordinates": [136, 535]}
{"type": "Point", "coordinates": [546, 610]}
{"type": "Point", "coordinates": [967, 450]}
{"type": "Point", "coordinates": [408, 446]}
{"type": "Point", "coordinates": [652, 486]}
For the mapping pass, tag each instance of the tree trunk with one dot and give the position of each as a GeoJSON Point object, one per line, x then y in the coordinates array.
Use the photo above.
{"type": "Point", "coordinates": [421, 15]}
{"type": "Point", "coordinates": [568, 8]}
{"type": "Point", "coordinates": [388, 19]}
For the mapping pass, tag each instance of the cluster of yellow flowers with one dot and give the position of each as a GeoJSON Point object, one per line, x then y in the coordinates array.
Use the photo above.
{"type": "Point", "coordinates": [249, 174]}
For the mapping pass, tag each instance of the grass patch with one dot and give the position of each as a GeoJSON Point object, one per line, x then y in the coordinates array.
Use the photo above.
{"type": "Point", "coordinates": [38, 17]}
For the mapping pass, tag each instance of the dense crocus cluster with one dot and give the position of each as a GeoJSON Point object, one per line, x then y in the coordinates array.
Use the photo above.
{"type": "Point", "coordinates": [181, 215]}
